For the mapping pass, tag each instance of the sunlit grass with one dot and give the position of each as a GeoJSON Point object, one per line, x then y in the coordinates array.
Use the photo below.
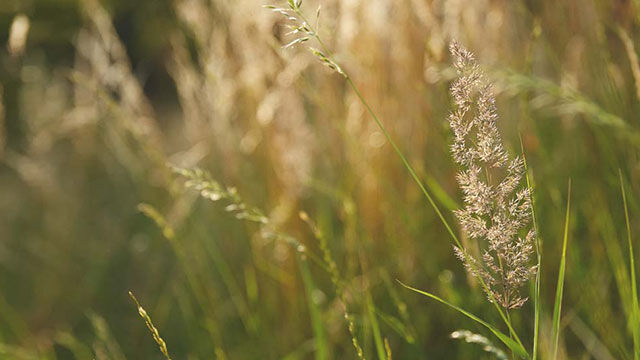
{"type": "Point", "coordinates": [312, 171]}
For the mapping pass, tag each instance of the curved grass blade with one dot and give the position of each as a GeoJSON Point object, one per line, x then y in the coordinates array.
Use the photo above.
{"type": "Point", "coordinates": [635, 325]}
{"type": "Point", "coordinates": [377, 335]}
{"type": "Point", "coordinates": [557, 307]}
{"type": "Point", "coordinates": [514, 346]}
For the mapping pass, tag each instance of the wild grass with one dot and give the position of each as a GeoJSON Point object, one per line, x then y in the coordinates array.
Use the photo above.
{"type": "Point", "coordinates": [557, 304]}
{"type": "Point", "coordinates": [265, 207]}
{"type": "Point", "coordinates": [147, 320]}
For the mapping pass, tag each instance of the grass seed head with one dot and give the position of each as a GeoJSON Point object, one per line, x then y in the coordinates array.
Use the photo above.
{"type": "Point", "coordinates": [495, 210]}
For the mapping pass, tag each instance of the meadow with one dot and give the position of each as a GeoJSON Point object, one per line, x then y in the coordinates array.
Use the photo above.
{"type": "Point", "coordinates": [239, 179]}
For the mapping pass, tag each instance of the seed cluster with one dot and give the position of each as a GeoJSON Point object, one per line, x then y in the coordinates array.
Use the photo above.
{"type": "Point", "coordinates": [496, 210]}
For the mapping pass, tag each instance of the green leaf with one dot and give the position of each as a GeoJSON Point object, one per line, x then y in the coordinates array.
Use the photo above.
{"type": "Point", "coordinates": [514, 346]}
{"type": "Point", "coordinates": [377, 336]}
{"type": "Point", "coordinates": [635, 324]}
{"type": "Point", "coordinates": [557, 307]}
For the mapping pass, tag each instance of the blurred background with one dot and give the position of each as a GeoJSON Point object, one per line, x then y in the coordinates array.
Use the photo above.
{"type": "Point", "coordinates": [97, 97]}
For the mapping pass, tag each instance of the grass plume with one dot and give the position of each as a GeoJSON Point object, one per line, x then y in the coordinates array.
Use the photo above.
{"type": "Point", "coordinates": [495, 210]}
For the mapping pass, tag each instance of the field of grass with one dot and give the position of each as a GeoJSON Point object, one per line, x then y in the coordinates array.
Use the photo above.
{"type": "Point", "coordinates": [210, 179]}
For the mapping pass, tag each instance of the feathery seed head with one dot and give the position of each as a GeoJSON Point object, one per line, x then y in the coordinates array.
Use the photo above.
{"type": "Point", "coordinates": [495, 211]}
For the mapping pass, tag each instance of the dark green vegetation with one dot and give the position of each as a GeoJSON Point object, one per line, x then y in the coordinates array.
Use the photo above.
{"type": "Point", "coordinates": [314, 214]}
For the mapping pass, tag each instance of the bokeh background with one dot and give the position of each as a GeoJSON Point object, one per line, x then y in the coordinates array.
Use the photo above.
{"type": "Point", "coordinates": [97, 97]}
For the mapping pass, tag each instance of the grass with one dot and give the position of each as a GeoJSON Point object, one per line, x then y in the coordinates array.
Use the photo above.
{"type": "Point", "coordinates": [537, 301]}
{"type": "Point", "coordinates": [152, 329]}
{"type": "Point", "coordinates": [298, 195]}
{"type": "Point", "coordinates": [634, 320]}
{"type": "Point", "coordinates": [507, 340]}
{"type": "Point", "coordinates": [557, 303]}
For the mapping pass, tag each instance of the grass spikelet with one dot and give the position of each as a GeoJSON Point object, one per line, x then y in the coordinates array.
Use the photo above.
{"type": "Point", "coordinates": [336, 280]}
{"type": "Point", "coordinates": [201, 181]}
{"type": "Point", "coordinates": [18, 35]}
{"type": "Point", "coordinates": [486, 344]}
{"type": "Point", "coordinates": [154, 332]}
{"type": "Point", "coordinates": [161, 222]}
{"type": "Point", "coordinates": [387, 349]}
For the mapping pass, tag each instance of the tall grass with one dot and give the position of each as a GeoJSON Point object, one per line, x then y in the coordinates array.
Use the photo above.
{"type": "Point", "coordinates": [330, 169]}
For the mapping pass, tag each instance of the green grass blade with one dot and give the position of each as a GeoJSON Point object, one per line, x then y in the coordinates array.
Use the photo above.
{"type": "Point", "coordinates": [377, 337]}
{"type": "Point", "coordinates": [536, 294]}
{"type": "Point", "coordinates": [440, 194]}
{"type": "Point", "coordinates": [517, 349]}
{"type": "Point", "coordinates": [76, 347]}
{"type": "Point", "coordinates": [316, 314]}
{"type": "Point", "coordinates": [635, 324]}
{"type": "Point", "coordinates": [557, 306]}
{"type": "Point", "coordinates": [232, 286]}
{"type": "Point", "coordinates": [396, 325]}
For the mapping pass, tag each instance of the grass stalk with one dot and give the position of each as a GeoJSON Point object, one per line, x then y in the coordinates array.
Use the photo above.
{"type": "Point", "coordinates": [375, 328]}
{"type": "Point", "coordinates": [557, 307]}
{"type": "Point", "coordinates": [317, 323]}
{"type": "Point", "coordinates": [154, 331]}
{"type": "Point", "coordinates": [536, 294]}
{"type": "Point", "coordinates": [514, 346]}
{"type": "Point", "coordinates": [336, 280]}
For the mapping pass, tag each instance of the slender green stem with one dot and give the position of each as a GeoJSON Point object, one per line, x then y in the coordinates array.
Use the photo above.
{"type": "Point", "coordinates": [536, 293]}
{"type": "Point", "coordinates": [404, 161]}
{"type": "Point", "coordinates": [557, 309]}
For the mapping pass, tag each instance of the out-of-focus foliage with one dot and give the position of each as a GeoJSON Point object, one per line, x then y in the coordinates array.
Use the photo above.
{"type": "Point", "coordinates": [98, 97]}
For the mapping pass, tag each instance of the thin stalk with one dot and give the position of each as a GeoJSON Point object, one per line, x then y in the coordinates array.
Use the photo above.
{"type": "Point", "coordinates": [315, 312]}
{"type": "Point", "coordinates": [404, 161]}
{"type": "Point", "coordinates": [635, 327]}
{"type": "Point", "coordinates": [536, 293]}
{"type": "Point", "coordinates": [557, 308]}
